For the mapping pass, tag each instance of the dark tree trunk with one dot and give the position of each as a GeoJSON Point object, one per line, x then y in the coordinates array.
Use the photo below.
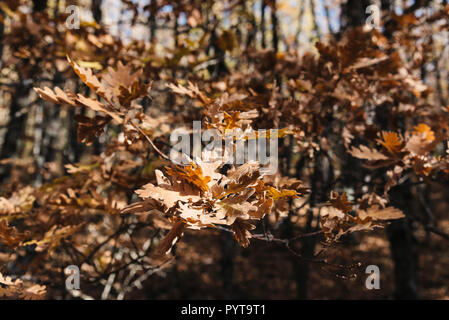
{"type": "Point", "coordinates": [176, 30]}
{"type": "Point", "coordinates": [97, 11]}
{"type": "Point", "coordinates": [39, 5]}
{"type": "Point", "coordinates": [2, 32]}
{"type": "Point", "coordinates": [275, 25]}
{"type": "Point", "coordinates": [400, 233]}
{"type": "Point", "coordinates": [322, 176]}
{"type": "Point", "coordinates": [14, 130]}
{"type": "Point", "coordinates": [16, 125]}
{"type": "Point", "coordinates": [152, 21]}
{"type": "Point", "coordinates": [402, 247]}
{"type": "Point", "coordinates": [252, 29]}
{"type": "Point", "coordinates": [386, 5]}
{"type": "Point", "coordinates": [56, 9]}
{"type": "Point", "coordinates": [353, 13]}
{"type": "Point", "coordinates": [228, 248]}
{"type": "Point", "coordinates": [262, 23]}
{"type": "Point", "coordinates": [220, 67]}
{"type": "Point", "coordinates": [302, 266]}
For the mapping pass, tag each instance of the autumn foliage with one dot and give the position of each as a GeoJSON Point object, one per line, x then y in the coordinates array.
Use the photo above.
{"type": "Point", "coordinates": [360, 136]}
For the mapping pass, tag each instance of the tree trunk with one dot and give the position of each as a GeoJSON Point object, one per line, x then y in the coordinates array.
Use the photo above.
{"type": "Point", "coordinates": [322, 176]}
{"type": "Point", "coordinates": [152, 20]}
{"type": "Point", "coordinates": [386, 5]}
{"type": "Point", "coordinates": [353, 13]}
{"type": "Point", "coordinates": [252, 29]}
{"type": "Point", "coordinates": [14, 130]}
{"type": "Point", "coordinates": [97, 11]}
{"type": "Point", "coordinates": [227, 264]}
{"type": "Point", "coordinates": [275, 25]}
{"type": "Point", "coordinates": [262, 23]}
{"type": "Point", "coordinates": [402, 247]}
{"type": "Point", "coordinates": [2, 32]}
{"type": "Point", "coordinates": [16, 125]}
{"type": "Point", "coordinates": [39, 5]}
{"type": "Point", "coordinates": [399, 232]}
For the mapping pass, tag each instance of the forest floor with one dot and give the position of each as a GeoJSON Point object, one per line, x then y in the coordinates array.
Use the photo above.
{"type": "Point", "coordinates": [265, 270]}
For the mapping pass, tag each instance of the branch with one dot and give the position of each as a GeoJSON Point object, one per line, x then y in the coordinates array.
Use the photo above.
{"type": "Point", "coordinates": [438, 232]}
{"type": "Point", "coordinates": [163, 155]}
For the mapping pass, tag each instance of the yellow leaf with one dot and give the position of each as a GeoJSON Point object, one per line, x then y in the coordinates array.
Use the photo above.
{"type": "Point", "coordinates": [90, 64]}
{"type": "Point", "coordinates": [425, 130]}
{"type": "Point", "coordinates": [284, 193]}
{"type": "Point", "coordinates": [391, 142]}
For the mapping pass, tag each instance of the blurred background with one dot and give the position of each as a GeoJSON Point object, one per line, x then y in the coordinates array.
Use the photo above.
{"type": "Point", "coordinates": [169, 39]}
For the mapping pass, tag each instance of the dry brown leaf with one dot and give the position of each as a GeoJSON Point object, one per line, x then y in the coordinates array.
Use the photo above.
{"type": "Point", "coordinates": [340, 202]}
{"type": "Point", "coordinates": [377, 213]}
{"type": "Point", "coordinates": [363, 152]}
{"type": "Point", "coordinates": [241, 230]}
{"type": "Point", "coordinates": [171, 238]}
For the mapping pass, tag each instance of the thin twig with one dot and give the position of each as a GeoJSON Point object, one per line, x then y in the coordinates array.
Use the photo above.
{"type": "Point", "coordinates": [163, 155]}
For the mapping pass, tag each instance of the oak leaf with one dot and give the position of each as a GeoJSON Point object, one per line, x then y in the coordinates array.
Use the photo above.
{"type": "Point", "coordinates": [378, 213]}
{"type": "Point", "coordinates": [340, 202]}
{"type": "Point", "coordinates": [241, 230]}
{"type": "Point", "coordinates": [363, 152]}
{"type": "Point", "coordinates": [391, 142]}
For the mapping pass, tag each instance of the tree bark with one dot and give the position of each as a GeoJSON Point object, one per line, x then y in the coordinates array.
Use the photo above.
{"type": "Point", "coordinates": [322, 176]}
{"type": "Point", "coordinates": [227, 264]}
{"type": "Point", "coordinates": [353, 13]}
{"type": "Point", "coordinates": [14, 130]}
{"type": "Point", "coordinates": [262, 23]}
{"type": "Point", "coordinates": [152, 20]}
{"type": "Point", "coordinates": [97, 11]}
{"type": "Point", "coordinates": [399, 232]}
{"type": "Point", "coordinates": [2, 32]}
{"type": "Point", "coordinates": [385, 5]}
{"type": "Point", "coordinates": [402, 247]}
{"type": "Point", "coordinates": [275, 26]}
{"type": "Point", "coordinates": [39, 5]}
{"type": "Point", "coordinates": [253, 28]}
{"type": "Point", "coordinates": [16, 125]}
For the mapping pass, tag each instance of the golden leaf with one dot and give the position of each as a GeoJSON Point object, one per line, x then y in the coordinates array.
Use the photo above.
{"type": "Point", "coordinates": [363, 152]}
{"type": "Point", "coordinates": [425, 131]}
{"type": "Point", "coordinates": [275, 194]}
{"type": "Point", "coordinates": [391, 142]}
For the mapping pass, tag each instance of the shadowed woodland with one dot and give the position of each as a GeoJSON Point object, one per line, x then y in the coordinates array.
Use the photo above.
{"type": "Point", "coordinates": [86, 179]}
